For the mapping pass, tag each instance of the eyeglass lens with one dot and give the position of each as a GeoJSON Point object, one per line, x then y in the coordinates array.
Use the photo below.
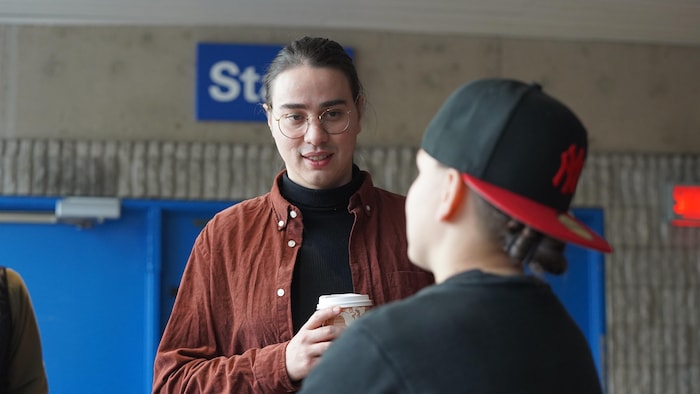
{"type": "Point", "coordinates": [332, 120]}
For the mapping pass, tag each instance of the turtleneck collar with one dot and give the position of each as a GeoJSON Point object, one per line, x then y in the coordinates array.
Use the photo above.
{"type": "Point", "coordinates": [336, 198]}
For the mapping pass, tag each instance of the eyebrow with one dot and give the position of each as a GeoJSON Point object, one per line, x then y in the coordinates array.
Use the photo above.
{"type": "Point", "coordinates": [324, 104]}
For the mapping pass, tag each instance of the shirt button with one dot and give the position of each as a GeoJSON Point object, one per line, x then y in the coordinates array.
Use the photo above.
{"type": "Point", "coordinates": [368, 208]}
{"type": "Point", "coordinates": [280, 292]}
{"type": "Point", "coordinates": [291, 243]}
{"type": "Point", "coordinates": [281, 223]}
{"type": "Point", "coordinates": [293, 214]}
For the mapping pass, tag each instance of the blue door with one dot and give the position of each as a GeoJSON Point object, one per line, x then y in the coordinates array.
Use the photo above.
{"type": "Point", "coordinates": [180, 228]}
{"type": "Point", "coordinates": [88, 287]}
{"type": "Point", "coordinates": [103, 293]}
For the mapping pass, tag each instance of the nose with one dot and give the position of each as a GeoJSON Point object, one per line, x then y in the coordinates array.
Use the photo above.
{"type": "Point", "coordinates": [315, 134]}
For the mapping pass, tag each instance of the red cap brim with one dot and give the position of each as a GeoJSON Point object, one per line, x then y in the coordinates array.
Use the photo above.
{"type": "Point", "coordinates": [560, 225]}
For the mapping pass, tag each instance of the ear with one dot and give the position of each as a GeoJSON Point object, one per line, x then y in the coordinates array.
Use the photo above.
{"type": "Point", "coordinates": [453, 195]}
{"type": "Point", "coordinates": [268, 113]}
{"type": "Point", "coordinates": [360, 105]}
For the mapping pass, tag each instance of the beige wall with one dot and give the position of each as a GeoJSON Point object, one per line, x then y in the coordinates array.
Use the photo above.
{"type": "Point", "coordinates": [137, 83]}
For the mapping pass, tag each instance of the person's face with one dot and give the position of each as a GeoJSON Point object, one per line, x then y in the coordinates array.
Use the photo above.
{"type": "Point", "coordinates": [422, 203]}
{"type": "Point", "coordinates": [318, 160]}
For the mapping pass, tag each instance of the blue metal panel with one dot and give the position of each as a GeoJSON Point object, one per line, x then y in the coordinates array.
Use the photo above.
{"type": "Point", "coordinates": [582, 288]}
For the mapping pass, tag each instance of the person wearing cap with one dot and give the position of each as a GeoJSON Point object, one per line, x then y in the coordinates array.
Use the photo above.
{"type": "Point", "coordinates": [497, 170]}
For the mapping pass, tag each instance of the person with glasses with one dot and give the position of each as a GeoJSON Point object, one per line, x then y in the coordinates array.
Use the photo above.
{"type": "Point", "coordinates": [245, 319]}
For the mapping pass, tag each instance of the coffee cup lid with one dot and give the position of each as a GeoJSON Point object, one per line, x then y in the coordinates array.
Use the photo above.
{"type": "Point", "coordinates": [343, 300]}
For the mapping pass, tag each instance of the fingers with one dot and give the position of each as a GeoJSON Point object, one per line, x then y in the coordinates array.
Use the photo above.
{"type": "Point", "coordinates": [321, 316]}
{"type": "Point", "coordinates": [312, 340]}
{"type": "Point", "coordinates": [301, 360]}
{"type": "Point", "coordinates": [316, 349]}
{"type": "Point", "coordinates": [316, 331]}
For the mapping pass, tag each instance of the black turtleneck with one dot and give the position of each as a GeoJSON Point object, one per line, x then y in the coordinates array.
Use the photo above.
{"type": "Point", "coordinates": [322, 265]}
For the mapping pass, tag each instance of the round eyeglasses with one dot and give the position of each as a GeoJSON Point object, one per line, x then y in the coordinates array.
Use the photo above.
{"type": "Point", "coordinates": [296, 124]}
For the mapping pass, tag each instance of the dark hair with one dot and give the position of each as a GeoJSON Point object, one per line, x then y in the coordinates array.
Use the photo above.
{"type": "Point", "coordinates": [315, 52]}
{"type": "Point", "coordinates": [523, 244]}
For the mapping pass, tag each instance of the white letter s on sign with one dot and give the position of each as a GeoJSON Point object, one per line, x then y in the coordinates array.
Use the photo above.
{"type": "Point", "coordinates": [226, 87]}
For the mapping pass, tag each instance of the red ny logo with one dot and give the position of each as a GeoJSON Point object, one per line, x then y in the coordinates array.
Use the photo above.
{"type": "Point", "coordinates": [569, 170]}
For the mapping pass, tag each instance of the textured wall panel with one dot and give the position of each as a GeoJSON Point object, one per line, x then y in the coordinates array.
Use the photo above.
{"type": "Point", "coordinates": [653, 275]}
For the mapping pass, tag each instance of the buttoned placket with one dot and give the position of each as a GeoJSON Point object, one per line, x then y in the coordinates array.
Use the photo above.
{"type": "Point", "coordinates": [290, 230]}
{"type": "Point", "coordinates": [292, 214]}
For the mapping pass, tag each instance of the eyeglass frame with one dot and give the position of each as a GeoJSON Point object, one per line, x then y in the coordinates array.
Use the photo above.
{"type": "Point", "coordinates": [308, 122]}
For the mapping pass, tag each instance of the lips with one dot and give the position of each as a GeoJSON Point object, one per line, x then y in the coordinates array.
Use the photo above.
{"type": "Point", "coordinates": [317, 156]}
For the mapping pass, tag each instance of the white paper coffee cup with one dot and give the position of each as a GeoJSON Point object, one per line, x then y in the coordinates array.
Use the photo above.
{"type": "Point", "coordinates": [352, 307]}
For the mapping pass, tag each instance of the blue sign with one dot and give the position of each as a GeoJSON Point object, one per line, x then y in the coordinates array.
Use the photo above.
{"type": "Point", "coordinates": [229, 81]}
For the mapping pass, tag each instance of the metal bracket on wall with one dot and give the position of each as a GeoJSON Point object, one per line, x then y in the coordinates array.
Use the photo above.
{"type": "Point", "coordinates": [80, 211]}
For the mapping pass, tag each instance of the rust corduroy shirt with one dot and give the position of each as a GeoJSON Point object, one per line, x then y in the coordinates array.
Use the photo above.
{"type": "Point", "coordinates": [232, 321]}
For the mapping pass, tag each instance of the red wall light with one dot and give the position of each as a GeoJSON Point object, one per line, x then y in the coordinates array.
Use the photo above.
{"type": "Point", "coordinates": [685, 210]}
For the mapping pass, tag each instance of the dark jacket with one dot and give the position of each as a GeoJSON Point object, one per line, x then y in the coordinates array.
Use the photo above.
{"type": "Point", "coordinates": [21, 358]}
{"type": "Point", "coordinates": [473, 333]}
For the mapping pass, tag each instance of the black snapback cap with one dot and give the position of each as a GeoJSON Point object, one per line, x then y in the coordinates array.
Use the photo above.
{"type": "Point", "coordinates": [520, 149]}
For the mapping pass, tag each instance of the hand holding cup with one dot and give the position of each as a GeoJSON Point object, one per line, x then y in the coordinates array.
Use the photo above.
{"type": "Point", "coordinates": [353, 306]}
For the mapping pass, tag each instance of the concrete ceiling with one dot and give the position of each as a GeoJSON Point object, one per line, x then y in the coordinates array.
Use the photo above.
{"type": "Point", "coordinates": [644, 21]}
